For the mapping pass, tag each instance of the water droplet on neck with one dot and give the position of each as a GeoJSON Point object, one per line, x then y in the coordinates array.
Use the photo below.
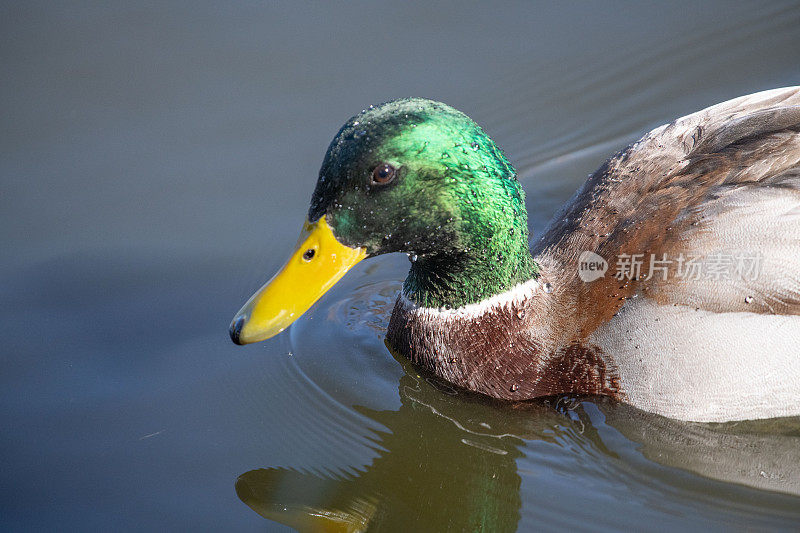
{"type": "Point", "coordinates": [514, 387]}
{"type": "Point", "coordinates": [413, 258]}
{"type": "Point", "coordinates": [547, 287]}
{"type": "Point", "coordinates": [520, 313]}
{"type": "Point", "coordinates": [359, 134]}
{"type": "Point", "coordinates": [748, 299]}
{"type": "Point", "coordinates": [475, 146]}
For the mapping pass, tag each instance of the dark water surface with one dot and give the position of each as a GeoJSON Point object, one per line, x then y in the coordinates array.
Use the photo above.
{"type": "Point", "coordinates": [156, 164]}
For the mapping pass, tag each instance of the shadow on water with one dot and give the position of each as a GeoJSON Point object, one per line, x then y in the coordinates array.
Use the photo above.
{"type": "Point", "coordinates": [449, 460]}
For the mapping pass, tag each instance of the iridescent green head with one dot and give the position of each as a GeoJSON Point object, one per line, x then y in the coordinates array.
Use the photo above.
{"type": "Point", "coordinates": [420, 177]}
{"type": "Point", "coordinates": [412, 176]}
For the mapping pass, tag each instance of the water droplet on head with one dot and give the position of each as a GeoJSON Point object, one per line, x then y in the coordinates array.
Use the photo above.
{"type": "Point", "coordinates": [514, 387]}
{"type": "Point", "coordinates": [520, 313]}
{"type": "Point", "coordinates": [475, 146]}
{"type": "Point", "coordinates": [359, 133]}
{"type": "Point", "coordinates": [547, 287]}
{"type": "Point", "coordinates": [413, 258]}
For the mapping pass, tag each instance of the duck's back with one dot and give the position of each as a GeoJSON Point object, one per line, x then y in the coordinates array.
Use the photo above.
{"type": "Point", "coordinates": [699, 224]}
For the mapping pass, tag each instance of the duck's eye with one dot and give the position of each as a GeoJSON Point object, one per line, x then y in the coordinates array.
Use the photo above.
{"type": "Point", "coordinates": [383, 174]}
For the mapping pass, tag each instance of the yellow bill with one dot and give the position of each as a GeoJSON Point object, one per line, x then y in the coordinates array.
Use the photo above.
{"type": "Point", "coordinates": [315, 266]}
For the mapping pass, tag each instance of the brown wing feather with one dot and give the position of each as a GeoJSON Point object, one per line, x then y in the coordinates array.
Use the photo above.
{"type": "Point", "coordinates": [647, 199]}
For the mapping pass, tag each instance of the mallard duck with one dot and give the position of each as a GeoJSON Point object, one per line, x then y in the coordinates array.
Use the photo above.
{"type": "Point", "coordinates": [670, 280]}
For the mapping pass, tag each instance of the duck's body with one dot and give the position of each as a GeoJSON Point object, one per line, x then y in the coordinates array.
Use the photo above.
{"type": "Point", "coordinates": [698, 314]}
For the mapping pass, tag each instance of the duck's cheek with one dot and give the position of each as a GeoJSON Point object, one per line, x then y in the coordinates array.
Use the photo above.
{"type": "Point", "coordinates": [360, 227]}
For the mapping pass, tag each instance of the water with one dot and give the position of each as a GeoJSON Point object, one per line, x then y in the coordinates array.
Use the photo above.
{"type": "Point", "coordinates": [156, 167]}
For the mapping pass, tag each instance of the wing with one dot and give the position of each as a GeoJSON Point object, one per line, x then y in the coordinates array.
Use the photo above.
{"type": "Point", "coordinates": [744, 241]}
{"type": "Point", "coordinates": [722, 180]}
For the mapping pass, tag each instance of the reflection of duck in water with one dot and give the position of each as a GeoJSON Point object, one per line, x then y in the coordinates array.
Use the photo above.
{"type": "Point", "coordinates": [718, 189]}
{"type": "Point", "coordinates": [445, 464]}
{"type": "Point", "coordinates": [448, 462]}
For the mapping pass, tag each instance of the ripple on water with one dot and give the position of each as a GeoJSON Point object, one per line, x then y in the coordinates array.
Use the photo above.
{"type": "Point", "coordinates": [335, 360]}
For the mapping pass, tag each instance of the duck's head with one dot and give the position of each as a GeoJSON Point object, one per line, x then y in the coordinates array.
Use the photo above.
{"type": "Point", "coordinates": [414, 176]}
